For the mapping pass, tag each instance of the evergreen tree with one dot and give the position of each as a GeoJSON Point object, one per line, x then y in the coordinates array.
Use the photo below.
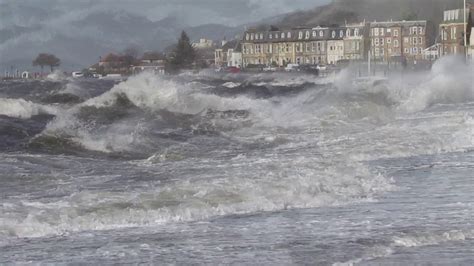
{"type": "Point", "coordinates": [184, 54]}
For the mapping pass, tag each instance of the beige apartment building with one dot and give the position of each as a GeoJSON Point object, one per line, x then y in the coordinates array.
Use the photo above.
{"type": "Point", "coordinates": [356, 41]}
{"type": "Point", "coordinates": [392, 40]}
{"type": "Point", "coordinates": [318, 45]}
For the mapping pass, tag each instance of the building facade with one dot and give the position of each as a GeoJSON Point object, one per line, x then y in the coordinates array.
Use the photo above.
{"type": "Point", "coordinates": [229, 55]}
{"type": "Point", "coordinates": [392, 40]}
{"type": "Point", "coordinates": [452, 32]}
{"type": "Point", "coordinates": [203, 44]}
{"type": "Point", "coordinates": [356, 41]}
{"type": "Point", "coordinates": [432, 53]}
{"type": "Point", "coordinates": [304, 46]}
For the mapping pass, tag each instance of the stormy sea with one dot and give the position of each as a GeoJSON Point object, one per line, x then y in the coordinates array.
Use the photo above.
{"type": "Point", "coordinates": [215, 168]}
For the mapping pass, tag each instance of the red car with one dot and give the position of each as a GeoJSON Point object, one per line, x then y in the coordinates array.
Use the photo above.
{"type": "Point", "coordinates": [233, 69]}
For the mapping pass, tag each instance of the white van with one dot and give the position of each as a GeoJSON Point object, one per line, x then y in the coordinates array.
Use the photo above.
{"type": "Point", "coordinates": [292, 67]}
{"type": "Point", "coordinates": [77, 74]}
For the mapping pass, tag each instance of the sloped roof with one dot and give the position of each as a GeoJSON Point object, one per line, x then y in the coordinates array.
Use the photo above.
{"type": "Point", "coordinates": [398, 23]}
{"type": "Point", "coordinates": [111, 57]}
{"type": "Point", "coordinates": [153, 56]}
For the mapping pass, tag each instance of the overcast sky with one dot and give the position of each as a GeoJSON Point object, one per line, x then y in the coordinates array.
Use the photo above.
{"type": "Point", "coordinates": [195, 12]}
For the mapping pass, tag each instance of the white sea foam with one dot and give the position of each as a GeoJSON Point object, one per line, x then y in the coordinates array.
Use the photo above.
{"type": "Point", "coordinates": [20, 108]}
{"type": "Point", "coordinates": [195, 200]}
{"type": "Point", "coordinates": [410, 241]}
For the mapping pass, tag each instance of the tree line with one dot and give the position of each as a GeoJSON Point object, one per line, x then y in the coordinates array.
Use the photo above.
{"type": "Point", "coordinates": [182, 56]}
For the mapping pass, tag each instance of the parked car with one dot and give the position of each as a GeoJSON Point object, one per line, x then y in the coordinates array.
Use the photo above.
{"type": "Point", "coordinates": [292, 67]}
{"type": "Point", "coordinates": [77, 74]}
{"type": "Point", "coordinates": [233, 69]}
{"type": "Point", "coordinates": [322, 67]}
{"type": "Point", "coordinates": [269, 69]}
{"type": "Point", "coordinates": [310, 69]}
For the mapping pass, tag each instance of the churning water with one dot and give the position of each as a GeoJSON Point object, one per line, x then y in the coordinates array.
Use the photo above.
{"type": "Point", "coordinates": [246, 169]}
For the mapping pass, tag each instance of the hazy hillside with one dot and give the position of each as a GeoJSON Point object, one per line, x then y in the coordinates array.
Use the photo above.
{"type": "Point", "coordinates": [80, 40]}
{"type": "Point", "coordinates": [340, 11]}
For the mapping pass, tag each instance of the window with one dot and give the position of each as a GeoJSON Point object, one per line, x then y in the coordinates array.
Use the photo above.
{"type": "Point", "coordinates": [389, 30]}
{"type": "Point", "coordinates": [307, 35]}
{"type": "Point", "coordinates": [420, 40]}
{"type": "Point", "coordinates": [376, 41]}
{"type": "Point", "coordinates": [252, 36]}
{"type": "Point", "coordinates": [356, 32]}
{"type": "Point", "coordinates": [314, 34]}
{"type": "Point", "coordinates": [261, 36]}
{"type": "Point", "coordinates": [288, 34]}
{"type": "Point", "coordinates": [415, 40]}
{"type": "Point", "coordinates": [333, 34]}
{"type": "Point", "coordinates": [276, 35]}
{"type": "Point", "coordinates": [270, 36]}
{"type": "Point", "coordinates": [406, 50]}
{"type": "Point", "coordinates": [287, 48]}
{"type": "Point", "coordinates": [420, 30]}
{"type": "Point", "coordinates": [382, 41]}
{"type": "Point", "coordinates": [321, 33]}
{"type": "Point", "coordinates": [376, 31]}
{"type": "Point", "coordinates": [382, 51]}
{"type": "Point", "coordinates": [283, 35]}
{"type": "Point", "coordinates": [405, 40]}
{"type": "Point", "coordinates": [395, 33]}
{"type": "Point", "coordinates": [247, 36]}
{"type": "Point", "coordinates": [348, 33]}
{"type": "Point", "coordinates": [389, 40]}
{"type": "Point", "coordinates": [395, 43]}
{"type": "Point", "coordinates": [300, 35]}
{"type": "Point", "coordinates": [256, 36]}
{"type": "Point", "coordinates": [341, 34]}
{"type": "Point", "coordinates": [382, 32]}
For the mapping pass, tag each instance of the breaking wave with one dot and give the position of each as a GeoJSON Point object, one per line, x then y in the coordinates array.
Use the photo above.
{"type": "Point", "coordinates": [191, 200]}
{"type": "Point", "coordinates": [20, 108]}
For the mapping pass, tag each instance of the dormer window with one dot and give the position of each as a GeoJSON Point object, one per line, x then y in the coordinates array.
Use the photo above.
{"type": "Point", "coordinates": [276, 35]}
{"type": "Point", "coordinates": [300, 35]}
{"type": "Point", "coordinates": [321, 33]}
{"type": "Point", "coordinates": [252, 36]}
{"type": "Point", "coordinates": [256, 36]}
{"type": "Point", "coordinates": [333, 34]}
{"type": "Point", "coordinates": [341, 33]}
{"type": "Point", "coordinates": [356, 32]}
{"type": "Point", "coordinates": [288, 35]}
{"type": "Point", "coordinates": [261, 36]}
{"type": "Point", "coordinates": [348, 33]}
{"type": "Point", "coordinates": [283, 35]}
{"type": "Point", "coordinates": [247, 36]}
{"type": "Point", "coordinates": [307, 35]}
{"type": "Point", "coordinates": [314, 34]}
{"type": "Point", "coordinates": [270, 36]}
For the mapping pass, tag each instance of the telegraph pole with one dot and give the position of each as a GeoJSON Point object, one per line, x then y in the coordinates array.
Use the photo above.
{"type": "Point", "coordinates": [465, 31]}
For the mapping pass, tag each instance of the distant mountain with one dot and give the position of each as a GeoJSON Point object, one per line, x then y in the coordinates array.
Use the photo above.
{"type": "Point", "coordinates": [341, 11]}
{"type": "Point", "coordinates": [79, 41]}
